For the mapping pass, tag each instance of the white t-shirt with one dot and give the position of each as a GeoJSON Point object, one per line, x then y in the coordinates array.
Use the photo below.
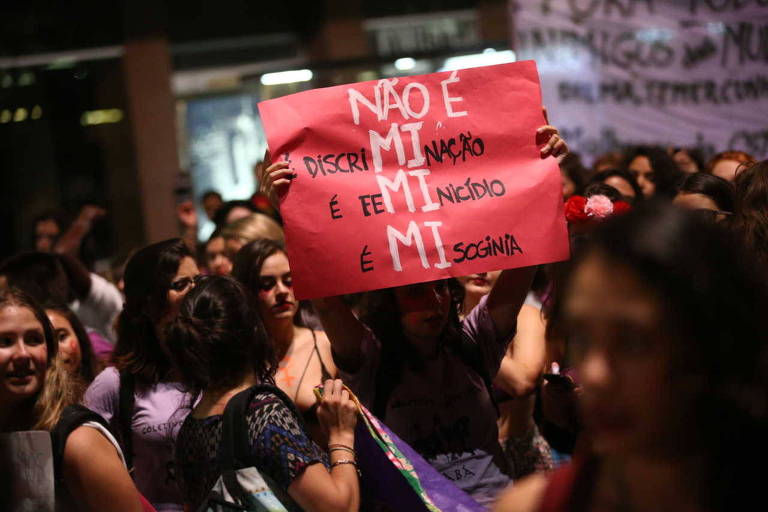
{"type": "Point", "coordinates": [100, 308]}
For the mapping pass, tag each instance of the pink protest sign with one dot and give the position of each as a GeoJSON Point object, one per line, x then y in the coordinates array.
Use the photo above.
{"type": "Point", "coordinates": [416, 178]}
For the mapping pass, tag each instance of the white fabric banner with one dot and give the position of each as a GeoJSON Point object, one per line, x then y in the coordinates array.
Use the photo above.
{"type": "Point", "coordinates": [667, 72]}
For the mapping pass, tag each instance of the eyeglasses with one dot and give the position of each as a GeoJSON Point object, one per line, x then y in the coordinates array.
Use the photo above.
{"type": "Point", "coordinates": [185, 282]}
{"type": "Point", "coordinates": [710, 215]}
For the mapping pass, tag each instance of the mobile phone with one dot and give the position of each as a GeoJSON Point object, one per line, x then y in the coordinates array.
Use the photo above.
{"type": "Point", "coordinates": [560, 380]}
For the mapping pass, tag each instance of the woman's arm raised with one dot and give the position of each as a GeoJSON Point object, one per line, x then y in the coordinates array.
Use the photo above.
{"type": "Point", "coordinates": [507, 296]}
{"type": "Point", "coordinates": [344, 330]}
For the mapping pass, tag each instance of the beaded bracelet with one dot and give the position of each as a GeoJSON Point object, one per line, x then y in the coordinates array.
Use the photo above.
{"type": "Point", "coordinates": [347, 461]}
{"type": "Point", "coordinates": [344, 461]}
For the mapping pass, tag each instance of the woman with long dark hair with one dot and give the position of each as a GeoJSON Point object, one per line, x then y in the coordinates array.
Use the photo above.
{"type": "Point", "coordinates": [220, 349]}
{"type": "Point", "coordinates": [423, 371]}
{"type": "Point", "coordinates": [303, 354]}
{"type": "Point", "coordinates": [707, 194]}
{"type": "Point", "coordinates": [665, 313]}
{"type": "Point", "coordinates": [751, 217]}
{"type": "Point", "coordinates": [139, 396]}
{"type": "Point", "coordinates": [655, 171]}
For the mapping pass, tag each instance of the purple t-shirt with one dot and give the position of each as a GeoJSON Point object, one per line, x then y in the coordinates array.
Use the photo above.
{"type": "Point", "coordinates": [158, 414]}
{"type": "Point", "coordinates": [444, 411]}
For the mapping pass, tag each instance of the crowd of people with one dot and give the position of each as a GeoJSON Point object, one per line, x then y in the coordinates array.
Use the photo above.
{"type": "Point", "coordinates": [633, 376]}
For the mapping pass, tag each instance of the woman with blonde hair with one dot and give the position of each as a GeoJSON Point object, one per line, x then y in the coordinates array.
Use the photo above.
{"type": "Point", "coordinates": [36, 389]}
{"type": "Point", "coordinates": [248, 229]}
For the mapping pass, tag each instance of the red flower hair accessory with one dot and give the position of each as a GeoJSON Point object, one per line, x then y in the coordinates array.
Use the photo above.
{"type": "Point", "coordinates": [579, 209]}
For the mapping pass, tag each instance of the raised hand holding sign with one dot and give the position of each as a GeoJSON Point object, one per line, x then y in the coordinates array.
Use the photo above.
{"type": "Point", "coordinates": [417, 178]}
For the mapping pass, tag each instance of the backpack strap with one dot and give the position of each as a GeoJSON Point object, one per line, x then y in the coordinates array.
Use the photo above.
{"type": "Point", "coordinates": [73, 417]}
{"type": "Point", "coordinates": [126, 403]}
{"type": "Point", "coordinates": [235, 445]}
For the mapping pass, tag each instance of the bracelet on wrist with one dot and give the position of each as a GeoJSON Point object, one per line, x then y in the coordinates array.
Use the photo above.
{"type": "Point", "coordinates": [340, 447]}
{"type": "Point", "coordinates": [351, 462]}
{"type": "Point", "coordinates": [331, 450]}
{"type": "Point", "coordinates": [343, 461]}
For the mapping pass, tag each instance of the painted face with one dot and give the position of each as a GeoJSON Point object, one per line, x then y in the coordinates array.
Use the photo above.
{"type": "Point", "coordinates": [726, 169]}
{"type": "Point", "coordinates": [624, 188]}
{"type": "Point", "coordinates": [23, 355]}
{"type": "Point", "coordinates": [216, 258]}
{"type": "Point", "coordinates": [69, 346]}
{"type": "Point", "coordinates": [479, 284]}
{"type": "Point", "coordinates": [424, 309]}
{"type": "Point", "coordinates": [46, 234]}
{"type": "Point", "coordinates": [699, 203]}
{"type": "Point", "coordinates": [275, 293]}
{"type": "Point", "coordinates": [182, 282]}
{"type": "Point", "coordinates": [646, 178]}
{"type": "Point", "coordinates": [623, 357]}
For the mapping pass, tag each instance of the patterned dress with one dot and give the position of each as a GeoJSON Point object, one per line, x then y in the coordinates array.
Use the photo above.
{"type": "Point", "coordinates": [280, 448]}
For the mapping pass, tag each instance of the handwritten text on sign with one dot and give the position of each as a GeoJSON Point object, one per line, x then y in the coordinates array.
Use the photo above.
{"type": "Point", "coordinates": [414, 179]}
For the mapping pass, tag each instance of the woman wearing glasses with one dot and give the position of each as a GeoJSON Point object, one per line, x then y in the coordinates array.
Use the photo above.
{"type": "Point", "coordinates": [304, 354]}
{"type": "Point", "coordinates": [139, 396]}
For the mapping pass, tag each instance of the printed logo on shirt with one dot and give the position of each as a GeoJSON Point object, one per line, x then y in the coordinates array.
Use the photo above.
{"type": "Point", "coordinates": [160, 427]}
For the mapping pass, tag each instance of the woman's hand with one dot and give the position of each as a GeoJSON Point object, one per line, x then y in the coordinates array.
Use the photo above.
{"type": "Point", "coordinates": [337, 413]}
{"type": "Point", "coordinates": [275, 179]}
{"type": "Point", "coordinates": [555, 145]}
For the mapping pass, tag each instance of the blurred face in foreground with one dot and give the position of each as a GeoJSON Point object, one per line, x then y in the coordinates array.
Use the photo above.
{"type": "Point", "coordinates": [623, 358]}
